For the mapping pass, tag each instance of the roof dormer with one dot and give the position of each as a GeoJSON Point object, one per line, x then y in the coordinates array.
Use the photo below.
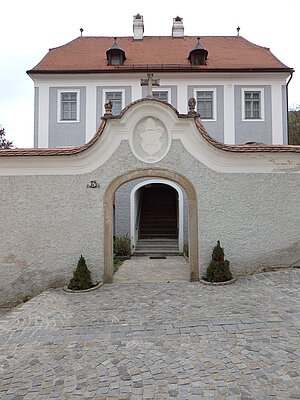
{"type": "Point", "coordinates": [115, 55]}
{"type": "Point", "coordinates": [198, 55]}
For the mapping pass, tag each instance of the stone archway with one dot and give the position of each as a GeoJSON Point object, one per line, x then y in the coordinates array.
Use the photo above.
{"type": "Point", "coordinates": [192, 216]}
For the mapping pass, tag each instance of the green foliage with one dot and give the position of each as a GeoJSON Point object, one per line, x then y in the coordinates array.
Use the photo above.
{"type": "Point", "coordinates": [294, 126]}
{"type": "Point", "coordinates": [4, 143]}
{"type": "Point", "coordinates": [25, 298]}
{"type": "Point", "coordinates": [218, 269]}
{"type": "Point", "coordinates": [81, 277]}
{"type": "Point", "coordinates": [186, 249]}
{"type": "Point", "coordinates": [122, 246]}
{"type": "Point", "coordinates": [117, 263]}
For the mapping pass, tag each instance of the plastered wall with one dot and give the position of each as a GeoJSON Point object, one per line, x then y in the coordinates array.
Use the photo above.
{"type": "Point", "coordinates": [47, 222]}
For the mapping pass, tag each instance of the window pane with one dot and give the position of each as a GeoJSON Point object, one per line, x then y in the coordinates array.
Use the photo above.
{"type": "Point", "coordinates": [116, 99]}
{"type": "Point", "coordinates": [115, 60]}
{"type": "Point", "coordinates": [255, 105]}
{"type": "Point", "coordinates": [205, 104]}
{"type": "Point", "coordinates": [68, 106]}
{"type": "Point", "coordinates": [161, 95]}
{"type": "Point", "coordinates": [252, 105]}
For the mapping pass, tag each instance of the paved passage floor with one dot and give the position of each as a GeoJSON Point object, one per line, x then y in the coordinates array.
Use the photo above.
{"type": "Point", "coordinates": [156, 341]}
{"type": "Point", "coordinates": [144, 269]}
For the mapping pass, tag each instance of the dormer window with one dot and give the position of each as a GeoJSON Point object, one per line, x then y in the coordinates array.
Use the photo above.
{"type": "Point", "coordinates": [115, 55]}
{"type": "Point", "coordinates": [198, 55]}
{"type": "Point", "coordinates": [115, 59]}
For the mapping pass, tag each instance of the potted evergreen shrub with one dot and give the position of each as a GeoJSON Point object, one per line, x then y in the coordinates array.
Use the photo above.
{"type": "Point", "coordinates": [218, 270]}
{"type": "Point", "coordinates": [81, 280]}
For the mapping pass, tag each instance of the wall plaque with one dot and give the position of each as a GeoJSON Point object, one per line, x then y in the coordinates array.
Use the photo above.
{"type": "Point", "coordinates": [150, 140]}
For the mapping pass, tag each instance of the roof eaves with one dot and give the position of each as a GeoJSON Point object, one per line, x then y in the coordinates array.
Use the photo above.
{"type": "Point", "coordinates": [159, 68]}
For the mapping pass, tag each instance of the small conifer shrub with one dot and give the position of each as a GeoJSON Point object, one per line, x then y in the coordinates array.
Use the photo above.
{"type": "Point", "coordinates": [81, 277]}
{"type": "Point", "coordinates": [218, 269]}
{"type": "Point", "coordinates": [25, 298]}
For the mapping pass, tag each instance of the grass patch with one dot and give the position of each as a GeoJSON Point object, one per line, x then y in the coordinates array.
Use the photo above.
{"type": "Point", "coordinates": [118, 261]}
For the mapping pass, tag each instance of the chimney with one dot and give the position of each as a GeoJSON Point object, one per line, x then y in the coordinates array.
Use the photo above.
{"type": "Point", "coordinates": [177, 28]}
{"type": "Point", "coordinates": [138, 27]}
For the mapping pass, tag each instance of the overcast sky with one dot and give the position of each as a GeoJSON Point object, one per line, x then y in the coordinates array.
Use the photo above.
{"type": "Point", "coordinates": [29, 29]}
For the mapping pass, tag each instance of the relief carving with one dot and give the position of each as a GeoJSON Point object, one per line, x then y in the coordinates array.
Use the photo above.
{"type": "Point", "coordinates": [150, 140]}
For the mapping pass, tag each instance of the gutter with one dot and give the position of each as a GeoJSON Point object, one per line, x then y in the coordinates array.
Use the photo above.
{"type": "Point", "coordinates": [156, 68]}
{"type": "Point", "coordinates": [287, 105]}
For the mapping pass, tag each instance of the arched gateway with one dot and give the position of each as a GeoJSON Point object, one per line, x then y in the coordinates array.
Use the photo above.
{"type": "Point", "coordinates": [172, 196]}
{"type": "Point", "coordinates": [192, 216]}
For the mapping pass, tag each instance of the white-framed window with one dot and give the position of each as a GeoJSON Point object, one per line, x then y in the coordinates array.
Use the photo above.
{"type": "Point", "coordinates": [253, 104]}
{"type": "Point", "coordinates": [162, 94]}
{"type": "Point", "coordinates": [68, 105]}
{"type": "Point", "coordinates": [206, 99]}
{"type": "Point", "coordinates": [117, 97]}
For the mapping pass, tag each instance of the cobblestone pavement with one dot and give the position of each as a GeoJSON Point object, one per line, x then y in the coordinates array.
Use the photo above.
{"type": "Point", "coordinates": [156, 341]}
{"type": "Point", "coordinates": [144, 269]}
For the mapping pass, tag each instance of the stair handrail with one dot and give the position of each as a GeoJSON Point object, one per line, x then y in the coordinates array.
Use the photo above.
{"type": "Point", "coordinates": [138, 218]}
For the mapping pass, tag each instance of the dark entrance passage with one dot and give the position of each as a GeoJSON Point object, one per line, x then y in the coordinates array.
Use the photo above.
{"type": "Point", "coordinates": [158, 223]}
{"type": "Point", "coordinates": [158, 217]}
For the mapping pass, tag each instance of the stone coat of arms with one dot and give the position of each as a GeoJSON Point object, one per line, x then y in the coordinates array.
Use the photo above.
{"type": "Point", "coordinates": [151, 135]}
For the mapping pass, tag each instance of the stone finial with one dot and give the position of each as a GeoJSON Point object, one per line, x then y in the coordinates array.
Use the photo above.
{"type": "Point", "coordinates": [108, 107]}
{"type": "Point", "coordinates": [192, 105]}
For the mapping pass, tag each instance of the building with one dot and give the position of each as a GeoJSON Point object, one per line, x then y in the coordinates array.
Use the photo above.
{"type": "Point", "coordinates": [240, 87]}
{"type": "Point", "coordinates": [241, 95]}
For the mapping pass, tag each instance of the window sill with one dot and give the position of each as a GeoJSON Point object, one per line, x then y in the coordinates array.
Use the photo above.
{"type": "Point", "coordinates": [253, 120]}
{"type": "Point", "coordinates": [68, 121]}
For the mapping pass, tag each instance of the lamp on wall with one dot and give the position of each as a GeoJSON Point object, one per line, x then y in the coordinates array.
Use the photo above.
{"type": "Point", "coordinates": [93, 184]}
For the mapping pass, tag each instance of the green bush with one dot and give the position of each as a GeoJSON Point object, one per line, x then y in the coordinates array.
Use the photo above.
{"type": "Point", "coordinates": [122, 246]}
{"type": "Point", "coordinates": [218, 269]}
{"type": "Point", "coordinates": [25, 298]}
{"type": "Point", "coordinates": [81, 277]}
{"type": "Point", "coordinates": [186, 249]}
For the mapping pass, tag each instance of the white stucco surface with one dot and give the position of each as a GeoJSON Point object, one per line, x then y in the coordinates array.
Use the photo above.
{"type": "Point", "coordinates": [48, 219]}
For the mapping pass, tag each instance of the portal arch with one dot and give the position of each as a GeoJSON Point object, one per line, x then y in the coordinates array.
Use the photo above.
{"type": "Point", "coordinates": [154, 173]}
{"type": "Point", "coordinates": [180, 208]}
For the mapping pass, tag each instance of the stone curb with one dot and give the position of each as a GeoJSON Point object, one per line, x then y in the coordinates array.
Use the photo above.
{"type": "Point", "coordinates": [218, 283]}
{"type": "Point", "coordinates": [66, 289]}
{"type": "Point", "coordinates": [186, 257]}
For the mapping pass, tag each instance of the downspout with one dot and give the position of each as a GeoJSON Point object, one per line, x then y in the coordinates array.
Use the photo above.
{"type": "Point", "coordinates": [287, 105]}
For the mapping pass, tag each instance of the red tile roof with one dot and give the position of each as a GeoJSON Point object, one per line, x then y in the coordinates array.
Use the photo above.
{"type": "Point", "coordinates": [88, 54]}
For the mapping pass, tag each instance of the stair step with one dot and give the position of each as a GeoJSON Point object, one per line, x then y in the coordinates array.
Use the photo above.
{"type": "Point", "coordinates": [153, 253]}
{"type": "Point", "coordinates": [156, 249]}
{"type": "Point", "coordinates": [160, 240]}
{"type": "Point", "coordinates": [158, 231]}
{"type": "Point", "coordinates": [158, 244]}
{"type": "Point", "coordinates": [149, 236]}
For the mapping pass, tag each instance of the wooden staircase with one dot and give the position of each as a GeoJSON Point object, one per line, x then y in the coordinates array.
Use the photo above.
{"type": "Point", "coordinates": [158, 233]}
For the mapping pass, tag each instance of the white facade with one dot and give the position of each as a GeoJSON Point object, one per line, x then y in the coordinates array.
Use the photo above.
{"type": "Point", "coordinates": [228, 124]}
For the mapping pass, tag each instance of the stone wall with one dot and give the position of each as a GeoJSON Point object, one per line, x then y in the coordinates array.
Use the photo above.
{"type": "Point", "coordinates": [48, 221]}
